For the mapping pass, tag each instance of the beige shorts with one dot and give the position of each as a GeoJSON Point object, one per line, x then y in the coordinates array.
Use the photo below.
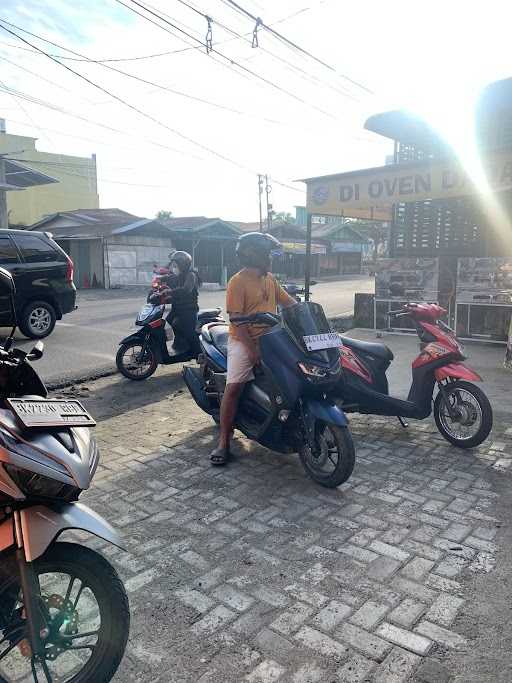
{"type": "Point", "coordinates": [239, 363]}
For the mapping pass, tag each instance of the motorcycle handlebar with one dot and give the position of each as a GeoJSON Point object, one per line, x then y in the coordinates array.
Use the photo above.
{"type": "Point", "coordinates": [260, 318]}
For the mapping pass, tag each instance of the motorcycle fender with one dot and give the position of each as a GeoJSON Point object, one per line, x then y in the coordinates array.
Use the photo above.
{"type": "Point", "coordinates": [41, 525]}
{"type": "Point", "coordinates": [456, 371]}
{"type": "Point", "coordinates": [136, 336]}
{"type": "Point", "coordinates": [324, 411]}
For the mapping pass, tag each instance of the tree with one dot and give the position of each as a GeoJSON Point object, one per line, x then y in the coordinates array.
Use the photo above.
{"type": "Point", "coordinates": [163, 215]}
{"type": "Point", "coordinates": [284, 217]}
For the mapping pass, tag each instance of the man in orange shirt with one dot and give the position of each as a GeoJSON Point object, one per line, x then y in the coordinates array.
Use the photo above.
{"type": "Point", "coordinates": [252, 290]}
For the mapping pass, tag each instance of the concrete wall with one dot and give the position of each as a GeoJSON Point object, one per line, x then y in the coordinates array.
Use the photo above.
{"type": "Point", "coordinates": [129, 260]}
{"type": "Point", "coordinates": [76, 189]}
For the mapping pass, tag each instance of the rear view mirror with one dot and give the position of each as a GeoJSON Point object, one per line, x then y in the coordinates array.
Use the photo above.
{"type": "Point", "coordinates": [36, 352]}
{"type": "Point", "coordinates": [6, 282]}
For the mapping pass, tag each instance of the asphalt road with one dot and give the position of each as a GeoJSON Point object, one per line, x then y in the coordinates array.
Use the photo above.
{"type": "Point", "coordinates": [85, 342]}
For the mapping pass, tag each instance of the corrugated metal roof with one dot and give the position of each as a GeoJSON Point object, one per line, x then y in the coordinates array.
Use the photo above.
{"type": "Point", "coordinates": [18, 176]}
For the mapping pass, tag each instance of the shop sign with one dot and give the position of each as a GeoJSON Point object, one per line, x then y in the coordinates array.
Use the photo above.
{"type": "Point", "coordinates": [377, 189]}
{"type": "Point", "coordinates": [338, 247]}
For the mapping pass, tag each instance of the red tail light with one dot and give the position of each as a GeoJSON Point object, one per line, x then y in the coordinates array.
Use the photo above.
{"type": "Point", "coordinates": [70, 271]}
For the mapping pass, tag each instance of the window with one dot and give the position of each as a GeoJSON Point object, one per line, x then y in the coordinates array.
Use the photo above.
{"type": "Point", "coordinates": [36, 250]}
{"type": "Point", "coordinates": [8, 253]}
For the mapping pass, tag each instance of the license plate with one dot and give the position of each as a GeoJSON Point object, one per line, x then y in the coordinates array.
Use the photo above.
{"type": "Point", "coordinates": [319, 342]}
{"type": "Point", "coordinates": [50, 413]}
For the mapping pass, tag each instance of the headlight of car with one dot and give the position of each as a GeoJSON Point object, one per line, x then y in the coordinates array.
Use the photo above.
{"type": "Point", "coordinates": [35, 485]}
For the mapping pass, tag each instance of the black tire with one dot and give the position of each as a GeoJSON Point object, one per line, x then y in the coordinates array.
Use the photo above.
{"type": "Point", "coordinates": [342, 441]}
{"type": "Point", "coordinates": [125, 369]}
{"type": "Point", "coordinates": [484, 409]}
{"type": "Point", "coordinates": [37, 320]}
{"type": "Point", "coordinates": [103, 582]}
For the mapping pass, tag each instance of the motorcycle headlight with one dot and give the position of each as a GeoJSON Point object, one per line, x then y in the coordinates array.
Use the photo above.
{"type": "Point", "coordinates": [314, 373]}
{"type": "Point", "coordinates": [35, 485]}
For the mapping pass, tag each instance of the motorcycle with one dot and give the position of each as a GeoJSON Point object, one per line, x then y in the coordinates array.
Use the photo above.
{"type": "Point", "coordinates": [140, 353]}
{"type": "Point", "coordinates": [462, 411]}
{"type": "Point", "coordinates": [64, 613]}
{"type": "Point", "coordinates": [286, 407]}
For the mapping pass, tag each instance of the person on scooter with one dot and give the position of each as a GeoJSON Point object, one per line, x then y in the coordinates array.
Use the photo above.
{"type": "Point", "coordinates": [181, 291]}
{"type": "Point", "coordinates": [252, 290]}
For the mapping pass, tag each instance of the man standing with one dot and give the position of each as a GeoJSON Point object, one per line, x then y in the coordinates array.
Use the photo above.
{"type": "Point", "coordinates": [252, 290]}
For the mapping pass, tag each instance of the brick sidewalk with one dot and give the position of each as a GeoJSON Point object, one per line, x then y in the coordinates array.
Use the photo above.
{"type": "Point", "coordinates": [254, 573]}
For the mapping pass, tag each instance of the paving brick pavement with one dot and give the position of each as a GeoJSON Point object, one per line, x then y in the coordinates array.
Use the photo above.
{"type": "Point", "coordinates": [254, 573]}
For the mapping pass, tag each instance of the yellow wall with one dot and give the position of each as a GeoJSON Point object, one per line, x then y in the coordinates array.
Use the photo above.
{"type": "Point", "coordinates": [76, 189]}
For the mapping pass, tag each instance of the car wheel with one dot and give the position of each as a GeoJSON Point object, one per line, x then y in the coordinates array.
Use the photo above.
{"type": "Point", "coordinates": [38, 320]}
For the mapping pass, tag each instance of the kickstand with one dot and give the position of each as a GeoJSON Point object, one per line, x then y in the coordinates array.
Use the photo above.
{"type": "Point", "coordinates": [403, 422]}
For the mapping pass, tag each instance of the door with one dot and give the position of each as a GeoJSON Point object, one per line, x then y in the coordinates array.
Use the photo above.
{"type": "Point", "coordinates": [42, 271]}
{"type": "Point", "coordinates": [9, 259]}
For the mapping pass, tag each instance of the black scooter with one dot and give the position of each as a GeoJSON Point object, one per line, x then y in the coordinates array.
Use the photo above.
{"type": "Point", "coordinates": [142, 352]}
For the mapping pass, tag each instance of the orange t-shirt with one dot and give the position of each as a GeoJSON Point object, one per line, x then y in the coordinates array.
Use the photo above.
{"type": "Point", "coordinates": [249, 293]}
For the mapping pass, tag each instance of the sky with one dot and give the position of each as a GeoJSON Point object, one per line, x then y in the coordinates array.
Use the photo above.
{"type": "Point", "coordinates": [278, 112]}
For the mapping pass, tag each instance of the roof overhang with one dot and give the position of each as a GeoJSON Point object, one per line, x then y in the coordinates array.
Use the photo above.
{"type": "Point", "coordinates": [20, 177]}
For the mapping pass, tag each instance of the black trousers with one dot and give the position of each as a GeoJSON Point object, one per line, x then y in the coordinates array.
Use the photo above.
{"type": "Point", "coordinates": [184, 323]}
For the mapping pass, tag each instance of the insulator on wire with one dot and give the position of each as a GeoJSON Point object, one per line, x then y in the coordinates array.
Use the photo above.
{"type": "Point", "coordinates": [255, 42]}
{"type": "Point", "coordinates": [209, 36]}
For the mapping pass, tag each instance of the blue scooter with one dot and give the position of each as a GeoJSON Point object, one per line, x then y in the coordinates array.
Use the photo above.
{"type": "Point", "coordinates": [287, 407]}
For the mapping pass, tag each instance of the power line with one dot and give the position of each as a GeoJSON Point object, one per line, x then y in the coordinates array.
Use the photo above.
{"type": "Point", "coordinates": [126, 103]}
{"type": "Point", "coordinates": [215, 51]}
{"type": "Point", "coordinates": [133, 107]}
{"type": "Point", "coordinates": [303, 74]}
{"type": "Point", "coordinates": [294, 45]}
{"type": "Point", "coordinates": [159, 86]}
{"type": "Point", "coordinates": [88, 175]}
{"type": "Point", "coordinates": [64, 112]}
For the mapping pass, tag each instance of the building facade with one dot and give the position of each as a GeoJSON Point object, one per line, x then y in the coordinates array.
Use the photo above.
{"type": "Point", "coordinates": [76, 176]}
{"type": "Point", "coordinates": [110, 248]}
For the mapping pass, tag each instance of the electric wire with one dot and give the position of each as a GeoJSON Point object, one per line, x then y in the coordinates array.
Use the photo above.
{"type": "Point", "coordinates": [140, 111]}
{"type": "Point", "coordinates": [159, 86]}
{"type": "Point", "coordinates": [294, 45]}
{"type": "Point", "coordinates": [215, 51]}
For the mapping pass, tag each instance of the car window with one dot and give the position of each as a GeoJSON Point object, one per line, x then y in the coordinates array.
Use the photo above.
{"type": "Point", "coordinates": [8, 253]}
{"type": "Point", "coordinates": [36, 250]}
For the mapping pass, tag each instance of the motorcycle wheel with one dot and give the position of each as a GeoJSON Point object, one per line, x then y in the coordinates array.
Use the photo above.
{"type": "Point", "coordinates": [135, 363]}
{"type": "Point", "coordinates": [333, 458]}
{"type": "Point", "coordinates": [88, 617]}
{"type": "Point", "coordinates": [473, 421]}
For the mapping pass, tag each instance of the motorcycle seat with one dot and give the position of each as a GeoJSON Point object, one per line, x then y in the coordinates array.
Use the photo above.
{"type": "Point", "coordinates": [372, 349]}
{"type": "Point", "coordinates": [208, 313]}
{"type": "Point", "coordinates": [219, 334]}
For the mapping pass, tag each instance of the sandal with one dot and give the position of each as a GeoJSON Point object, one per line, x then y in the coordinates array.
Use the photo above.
{"type": "Point", "coordinates": [219, 456]}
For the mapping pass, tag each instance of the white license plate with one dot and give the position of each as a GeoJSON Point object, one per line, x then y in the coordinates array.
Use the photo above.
{"type": "Point", "coordinates": [319, 342]}
{"type": "Point", "coordinates": [50, 413]}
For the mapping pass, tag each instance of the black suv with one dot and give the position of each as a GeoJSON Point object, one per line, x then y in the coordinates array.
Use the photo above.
{"type": "Point", "coordinates": [43, 275]}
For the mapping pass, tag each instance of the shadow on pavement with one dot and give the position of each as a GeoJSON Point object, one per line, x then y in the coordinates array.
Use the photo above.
{"type": "Point", "coordinates": [111, 396]}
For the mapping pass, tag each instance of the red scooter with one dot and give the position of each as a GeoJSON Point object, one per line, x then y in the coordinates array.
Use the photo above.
{"type": "Point", "coordinates": [462, 411]}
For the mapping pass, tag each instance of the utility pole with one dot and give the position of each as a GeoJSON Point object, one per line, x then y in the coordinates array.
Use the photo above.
{"type": "Point", "coordinates": [4, 219]}
{"type": "Point", "coordinates": [260, 192]}
{"type": "Point", "coordinates": [268, 190]}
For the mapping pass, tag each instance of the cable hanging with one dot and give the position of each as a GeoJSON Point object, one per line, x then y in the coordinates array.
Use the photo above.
{"type": "Point", "coordinates": [255, 42]}
{"type": "Point", "coordinates": [209, 36]}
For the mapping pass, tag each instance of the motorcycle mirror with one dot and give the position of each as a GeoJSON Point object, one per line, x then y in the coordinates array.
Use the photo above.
{"type": "Point", "coordinates": [37, 351]}
{"type": "Point", "coordinates": [396, 289]}
{"type": "Point", "coordinates": [7, 287]}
